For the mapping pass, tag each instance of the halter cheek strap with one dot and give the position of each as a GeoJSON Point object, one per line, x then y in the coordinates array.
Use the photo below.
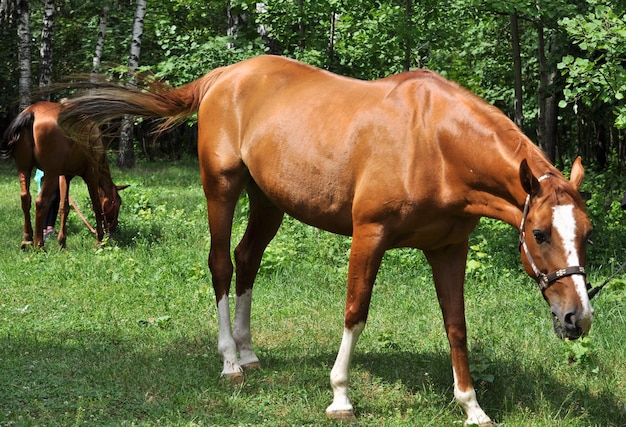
{"type": "Point", "coordinates": [544, 280]}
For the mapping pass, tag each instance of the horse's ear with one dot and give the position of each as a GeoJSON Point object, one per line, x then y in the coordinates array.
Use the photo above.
{"type": "Point", "coordinates": [577, 174]}
{"type": "Point", "coordinates": [528, 180]}
{"type": "Point", "coordinates": [122, 187]}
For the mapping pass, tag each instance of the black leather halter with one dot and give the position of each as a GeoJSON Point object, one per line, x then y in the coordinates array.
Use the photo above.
{"type": "Point", "coordinates": [544, 280]}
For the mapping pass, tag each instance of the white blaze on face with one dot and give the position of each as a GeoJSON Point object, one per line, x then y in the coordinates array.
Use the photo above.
{"type": "Point", "coordinates": [565, 225]}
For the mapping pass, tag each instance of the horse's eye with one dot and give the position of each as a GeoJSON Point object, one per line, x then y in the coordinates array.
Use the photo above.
{"type": "Point", "coordinates": [540, 236]}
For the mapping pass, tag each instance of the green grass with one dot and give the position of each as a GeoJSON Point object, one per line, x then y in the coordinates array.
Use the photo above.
{"type": "Point", "coordinates": [126, 334]}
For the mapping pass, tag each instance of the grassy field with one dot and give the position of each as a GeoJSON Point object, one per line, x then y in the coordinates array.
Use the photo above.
{"type": "Point", "coordinates": [126, 334]}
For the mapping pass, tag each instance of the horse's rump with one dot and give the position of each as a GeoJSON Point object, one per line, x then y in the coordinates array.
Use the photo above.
{"type": "Point", "coordinates": [23, 121]}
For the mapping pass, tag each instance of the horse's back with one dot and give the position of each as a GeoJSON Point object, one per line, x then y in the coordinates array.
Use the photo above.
{"type": "Point", "coordinates": [330, 150]}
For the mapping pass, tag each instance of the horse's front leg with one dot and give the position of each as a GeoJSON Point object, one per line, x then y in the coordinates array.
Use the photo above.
{"type": "Point", "coordinates": [263, 223]}
{"type": "Point", "coordinates": [26, 199]}
{"type": "Point", "coordinates": [365, 258]}
{"type": "Point", "coordinates": [96, 203]}
{"type": "Point", "coordinates": [448, 266]}
{"type": "Point", "coordinates": [64, 208]}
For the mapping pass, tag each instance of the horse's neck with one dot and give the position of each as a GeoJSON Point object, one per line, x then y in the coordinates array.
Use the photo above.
{"type": "Point", "coordinates": [105, 183]}
{"type": "Point", "coordinates": [504, 197]}
{"type": "Point", "coordinates": [505, 203]}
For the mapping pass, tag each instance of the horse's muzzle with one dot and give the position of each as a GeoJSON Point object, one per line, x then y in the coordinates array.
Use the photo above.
{"type": "Point", "coordinates": [571, 331]}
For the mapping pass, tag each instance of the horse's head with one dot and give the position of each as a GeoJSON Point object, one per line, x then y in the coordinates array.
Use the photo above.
{"type": "Point", "coordinates": [111, 203]}
{"type": "Point", "coordinates": [553, 242]}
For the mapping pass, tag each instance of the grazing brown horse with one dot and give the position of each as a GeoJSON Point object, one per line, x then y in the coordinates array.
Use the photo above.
{"type": "Point", "coordinates": [34, 139]}
{"type": "Point", "coordinates": [411, 160]}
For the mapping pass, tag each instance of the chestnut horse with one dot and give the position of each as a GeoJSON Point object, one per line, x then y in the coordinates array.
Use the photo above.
{"type": "Point", "coordinates": [34, 139]}
{"type": "Point", "coordinates": [411, 160]}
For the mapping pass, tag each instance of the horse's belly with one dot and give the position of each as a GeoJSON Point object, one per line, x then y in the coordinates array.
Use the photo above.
{"type": "Point", "coordinates": [323, 206]}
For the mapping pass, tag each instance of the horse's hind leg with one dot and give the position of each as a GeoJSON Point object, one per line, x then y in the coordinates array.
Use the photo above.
{"type": "Point", "coordinates": [220, 224]}
{"type": "Point", "coordinates": [26, 199]}
{"type": "Point", "coordinates": [42, 204]}
{"type": "Point", "coordinates": [222, 188]}
{"type": "Point", "coordinates": [64, 208]}
{"type": "Point", "coordinates": [264, 222]}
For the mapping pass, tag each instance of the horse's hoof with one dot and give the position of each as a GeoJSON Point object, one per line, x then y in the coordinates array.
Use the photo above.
{"type": "Point", "coordinates": [26, 244]}
{"type": "Point", "coordinates": [341, 415]}
{"type": "Point", "coordinates": [487, 424]}
{"type": "Point", "coordinates": [252, 366]}
{"type": "Point", "coordinates": [235, 378]}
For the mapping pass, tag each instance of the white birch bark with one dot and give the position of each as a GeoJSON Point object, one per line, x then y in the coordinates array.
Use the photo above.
{"type": "Point", "coordinates": [102, 29]}
{"type": "Point", "coordinates": [126, 157]}
{"type": "Point", "coordinates": [45, 51]}
{"type": "Point", "coordinates": [24, 54]}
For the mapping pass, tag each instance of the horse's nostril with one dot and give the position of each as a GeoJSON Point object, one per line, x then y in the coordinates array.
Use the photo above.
{"type": "Point", "coordinates": [570, 322]}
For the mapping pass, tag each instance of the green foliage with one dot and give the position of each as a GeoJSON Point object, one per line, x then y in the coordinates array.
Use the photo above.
{"type": "Point", "coordinates": [465, 40]}
{"type": "Point", "coordinates": [481, 365]}
{"type": "Point", "coordinates": [581, 352]}
{"type": "Point", "coordinates": [607, 217]}
{"type": "Point", "coordinates": [597, 75]}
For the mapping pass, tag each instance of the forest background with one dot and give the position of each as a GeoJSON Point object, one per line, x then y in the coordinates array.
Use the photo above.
{"type": "Point", "coordinates": [558, 68]}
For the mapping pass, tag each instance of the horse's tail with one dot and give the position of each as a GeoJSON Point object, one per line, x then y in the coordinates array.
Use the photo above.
{"type": "Point", "coordinates": [108, 101]}
{"type": "Point", "coordinates": [23, 121]}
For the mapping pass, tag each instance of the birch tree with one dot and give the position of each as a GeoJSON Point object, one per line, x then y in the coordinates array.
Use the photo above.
{"type": "Point", "coordinates": [126, 157]}
{"type": "Point", "coordinates": [45, 51]}
{"type": "Point", "coordinates": [102, 29]}
{"type": "Point", "coordinates": [6, 10]}
{"type": "Point", "coordinates": [517, 70]}
{"type": "Point", "coordinates": [24, 54]}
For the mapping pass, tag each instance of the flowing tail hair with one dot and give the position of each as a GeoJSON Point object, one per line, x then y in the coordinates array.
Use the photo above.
{"type": "Point", "coordinates": [23, 122]}
{"type": "Point", "coordinates": [106, 101]}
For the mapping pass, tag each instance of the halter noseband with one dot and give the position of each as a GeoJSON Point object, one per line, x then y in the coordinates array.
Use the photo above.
{"type": "Point", "coordinates": [544, 280]}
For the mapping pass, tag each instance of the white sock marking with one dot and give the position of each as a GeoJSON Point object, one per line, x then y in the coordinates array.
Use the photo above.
{"type": "Point", "coordinates": [225, 342]}
{"type": "Point", "coordinates": [339, 375]}
{"type": "Point", "coordinates": [467, 400]}
{"type": "Point", "coordinates": [241, 332]}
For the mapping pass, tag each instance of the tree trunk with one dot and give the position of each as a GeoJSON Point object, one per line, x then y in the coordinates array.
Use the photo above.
{"type": "Point", "coordinates": [5, 11]}
{"type": "Point", "coordinates": [23, 53]}
{"type": "Point", "coordinates": [45, 52]}
{"type": "Point", "coordinates": [301, 27]}
{"type": "Point", "coordinates": [517, 71]}
{"type": "Point", "coordinates": [126, 157]}
{"type": "Point", "coordinates": [102, 29]}
{"type": "Point", "coordinates": [331, 41]}
{"type": "Point", "coordinates": [547, 108]}
{"type": "Point", "coordinates": [235, 21]}
{"type": "Point", "coordinates": [407, 39]}
{"type": "Point", "coordinates": [551, 118]}
{"type": "Point", "coordinates": [272, 45]}
{"type": "Point", "coordinates": [552, 107]}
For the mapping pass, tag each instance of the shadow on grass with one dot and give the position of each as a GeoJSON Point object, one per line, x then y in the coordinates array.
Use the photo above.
{"type": "Point", "coordinates": [537, 390]}
{"type": "Point", "coordinates": [104, 379]}
{"type": "Point", "coordinates": [111, 379]}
